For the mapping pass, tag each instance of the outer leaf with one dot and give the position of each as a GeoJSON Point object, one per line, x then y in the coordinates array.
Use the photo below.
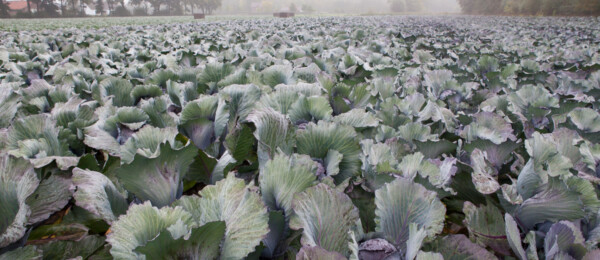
{"type": "Point", "coordinates": [283, 177]}
{"type": "Point", "coordinates": [586, 119]}
{"type": "Point", "coordinates": [97, 194]}
{"type": "Point", "coordinates": [222, 167]}
{"type": "Point", "coordinates": [239, 205]}
{"type": "Point", "coordinates": [146, 142]}
{"type": "Point", "coordinates": [308, 109]}
{"type": "Point", "coordinates": [486, 227]}
{"type": "Point", "coordinates": [489, 126]}
{"type": "Point", "coordinates": [402, 202]}
{"type": "Point", "coordinates": [326, 215]}
{"type": "Point", "coordinates": [277, 233]}
{"type": "Point", "coordinates": [555, 202]}
{"type": "Point", "coordinates": [380, 248]}
{"type": "Point", "coordinates": [240, 143]}
{"type": "Point", "coordinates": [564, 237]}
{"type": "Point", "coordinates": [277, 74]}
{"type": "Point", "coordinates": [197, 121]}
{"type": "Point", "coordinates": [484, 175]}
{"type": "Point", "coordinates": [429, 256]}
{"type": "Point", "coordinates": [271, 132]}
{"type": "Point", "coordinates": [24, 253]}
{"type": "Point", "coordinates": [17, 182]}
{"type": "Point", "coordinates": [9, 103]}
{"type": "Point", "coordinates": [317, 253]}
{"type": "Point", "coordinates": [317, 139]}
{"type": "Point", "coordinates": [200, 243]}
{"type": "Point", "coordinates": [287, 95]}
{"type": "Point", "coordinates": [594, 254]}
{"type": "Point", "coordinates": [119, 89]}
{"type": "Point", "coordinates": [158, 179]}
{"type": "Point", "coordinates": [332, 162]}
{"type": "Point", "coordinates": [141, 224]}
{"type": "Point", "coordinates": [241, 99]}
{"type": "Point", "coordinates": [357, 118]}
{"type": "Point", "coordinates": [37, 139]}
{"type": "Point", "coordinates": [459, 247]}
{"type": "Point", "coordinates": [514, 237]}
{"type": "Point", "coordinates": [532, 248]}
{"type": "Point", "coordinates": [415, 132]}
{"type": "Point", "coordinates": [67, 249]}
{"type": "Point", "coordinates": [546, 157]}
{"type": "Point", "coordinates": [57, 232]}
{"type": "Point", "coordinates": [52, 195]}
{"type": "Point", "coordinates": [415, 239]}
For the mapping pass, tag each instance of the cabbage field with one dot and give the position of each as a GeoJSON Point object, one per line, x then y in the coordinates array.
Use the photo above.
{"type": "Point", "coordinates": [381, 137]}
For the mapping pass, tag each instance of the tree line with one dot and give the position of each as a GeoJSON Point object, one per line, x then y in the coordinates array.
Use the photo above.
{"type": "Point", "coordinates": [531, 7]}
{"type": "Point", "coordinates": [75, 8]}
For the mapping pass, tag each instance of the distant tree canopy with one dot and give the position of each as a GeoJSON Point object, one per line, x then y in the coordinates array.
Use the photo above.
{"type": "Point", "coordinates": [531, 7]}
{"type": "Point", "coordinates": [3, 8]}
{"type": "Point", "coordinates": [208, 6]}
{"type": "Point", "coordinates": [69, 8]}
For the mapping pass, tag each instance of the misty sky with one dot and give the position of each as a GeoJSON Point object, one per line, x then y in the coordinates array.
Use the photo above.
{"type": "Point", "coordinates": [334, 6]}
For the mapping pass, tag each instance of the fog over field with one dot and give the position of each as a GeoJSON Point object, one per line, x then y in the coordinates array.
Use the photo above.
{"type": "Point", "coordinates": [341, 6]}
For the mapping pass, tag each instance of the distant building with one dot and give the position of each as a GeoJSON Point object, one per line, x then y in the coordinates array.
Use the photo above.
{"type": "Point", "coordinates": [19, 6]}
